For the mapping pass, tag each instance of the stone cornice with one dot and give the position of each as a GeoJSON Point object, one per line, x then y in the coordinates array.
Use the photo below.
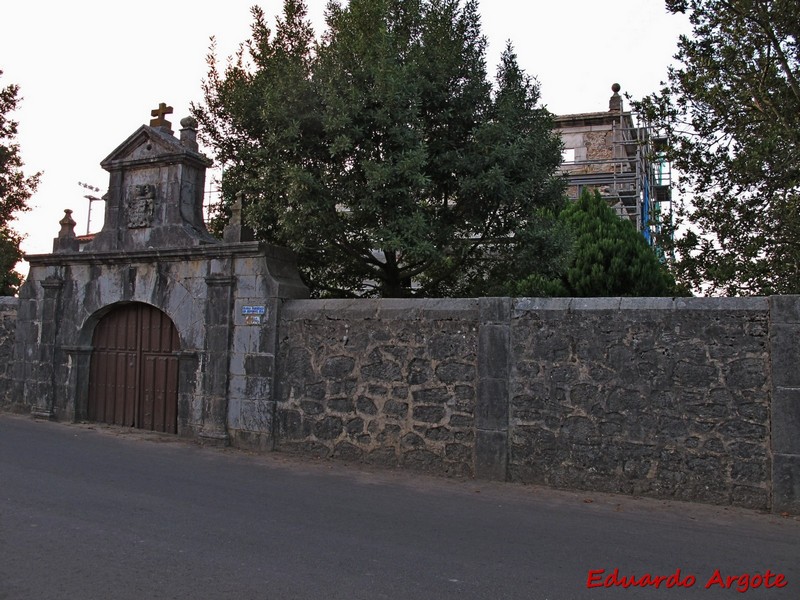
{"type": "Point", "coordinates": [204, 252]}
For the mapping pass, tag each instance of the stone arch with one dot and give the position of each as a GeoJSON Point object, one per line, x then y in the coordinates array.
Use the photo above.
{"type": "Point", "coordinates": [133, 373]}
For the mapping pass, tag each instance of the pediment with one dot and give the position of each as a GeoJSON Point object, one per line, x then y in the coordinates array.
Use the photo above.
{"type": "Point", "coordinates": [147, 145]}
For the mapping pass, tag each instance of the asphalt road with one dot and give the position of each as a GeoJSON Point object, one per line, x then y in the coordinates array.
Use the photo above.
{"type": "Point", "coordinates": [104, 513]}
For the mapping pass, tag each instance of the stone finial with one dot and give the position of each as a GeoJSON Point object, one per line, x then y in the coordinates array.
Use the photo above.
{"type": "Point", "coordinates": [233, 230]}
{"type": "Point", "coordinates": [67, 225]}
{"type": "Point", "coordinates": [66, 240]}
{"type": "Point", "coordinates": [615, 104]}
{"type": "Point", "coordinates": [189, 133]}
{"type": "Point", "coordinates": [160, 113]}
{"type": "Point", "coordinates": [236, 231]}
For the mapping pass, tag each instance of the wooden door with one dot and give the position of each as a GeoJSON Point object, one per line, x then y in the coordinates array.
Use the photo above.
{"type": "Point", "coordinates": [133, 378]}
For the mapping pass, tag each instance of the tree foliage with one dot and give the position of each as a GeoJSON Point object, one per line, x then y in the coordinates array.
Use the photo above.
{"type": "Point", "coordinates": [15, 191]}
{"type": "Point", "coordinates": [611, 258]}
{"type": "Point", "coordinates": [603, 256]}
{"type": "Point", "coordinates": [382, 153]}
{"type": "Point", "coordinates": [732, 110]}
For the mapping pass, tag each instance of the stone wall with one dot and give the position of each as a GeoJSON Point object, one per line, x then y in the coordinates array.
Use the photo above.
{"type": "Point", "coordinates": [660, 397]}
{"type": "Point", "coordinates": [655, 397]}
{"type": "Point", "coordinates": [387, 382]}
{"type": "Point", "coordinates": [8, 325]}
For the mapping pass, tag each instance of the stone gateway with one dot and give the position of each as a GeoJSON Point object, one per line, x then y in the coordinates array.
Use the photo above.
{"type": "Point", "coordinates": [142, 326]}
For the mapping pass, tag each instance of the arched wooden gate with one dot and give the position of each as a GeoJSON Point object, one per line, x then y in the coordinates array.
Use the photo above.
{"type": "Point", "coordinates": [133, 379]}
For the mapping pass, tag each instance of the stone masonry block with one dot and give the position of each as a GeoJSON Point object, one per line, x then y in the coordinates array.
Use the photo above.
{"type": "Point", "coordinates": [237, 387]}
{"type": "Point", "coordinates": [786, 483]}
{"type": "Point", "coordinates": [429, 414]}
{"type": "Point", "coordinates": [354, 309]}
{"type": "Point", "coordinates": [259, 364]}
{"type": "Point", "coordinates": [647, 304]}
{"type": "Point", "coordinates": [448, 308]}
{"type": "Point", "coordinates": [786, 421]}
{"type": "Point", "coordinates": [257, 387]}
{"type": "Point", "coordinates": [245, 339]}
{"type": "Point", "coordinates": [491, 455]}
{"type": "Point", "coordinates": [785, 355]}
{"type": "Point", "coordinates": [752, 304]}
{"type": "Point", "coordinates": [495, 310]}
{"type": "Point", "coordinates": [491, 411]}
{"type": "Point", "coordinates": [494, 353]}
{"type": "Point", "coordinates": [216, 373]}
{"type": "Point", "coordinates": [234, 413]}
{"type": "Point", "coordinates": [237, 363]}
{"type": "Point", "coordinates": [217, 339]}
{"type": "Point", "coordinates": [784, 309]}
{"type": "Point", "coordinates": [397, 308]}
{"type": "Point", "coordinates": [246, 286]}
{"type": "Point", "coordinates": [338, 367]}
{"type": "Point", "coordinates": [526, 305]}
{"type": "Point", "coordinates": [451, 372]}
{"type": "Point", "coordinates": [595, 304]}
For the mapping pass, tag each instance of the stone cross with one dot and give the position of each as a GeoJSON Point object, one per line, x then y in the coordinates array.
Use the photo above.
{"type": "Point", "coordinates": [159, 114]}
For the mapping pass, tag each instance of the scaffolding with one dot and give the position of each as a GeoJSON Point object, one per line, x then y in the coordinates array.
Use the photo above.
{"type": "Point", "coordinates": [624, 159]}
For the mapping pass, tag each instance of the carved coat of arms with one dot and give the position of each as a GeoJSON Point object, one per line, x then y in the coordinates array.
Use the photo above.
{"type": "Point", "coordinates": [141, 205]}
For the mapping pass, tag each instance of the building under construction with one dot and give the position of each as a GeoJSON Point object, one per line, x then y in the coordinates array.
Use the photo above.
{"type": "Point", "coordinates": [623, 158]}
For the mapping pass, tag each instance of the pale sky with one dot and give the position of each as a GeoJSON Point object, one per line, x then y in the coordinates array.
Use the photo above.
{"type": "Point", "coordinates": [90, 71]}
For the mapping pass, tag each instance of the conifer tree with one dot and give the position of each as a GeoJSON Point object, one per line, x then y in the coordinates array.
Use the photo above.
{"type": "Point", "coordinates": [382, 154]}
{"type": "Point", "coordinates": [610, 257]}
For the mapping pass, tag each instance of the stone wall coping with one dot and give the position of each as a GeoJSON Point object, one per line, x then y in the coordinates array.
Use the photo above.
{"type": "Point", "coordinates": [443, 308]}
{"type": "Point", "coordinates": [9, 303]}
{"type": "Point", "coordinates": [750, 304]}
{"type": "Point", "coordinates": [389, 308]}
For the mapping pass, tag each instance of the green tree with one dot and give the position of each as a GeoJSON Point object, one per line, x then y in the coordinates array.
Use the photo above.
{"type": "Point", "coordinates": [15, 191]}
{"type": "Point", "coordinates": [261, 115]}
{"type": "Point", "coordinates": [382, 154]}
{"type": "Point", "coordinates": [732, 111]}
{"type": "Point", "coordinates": [608, 257]}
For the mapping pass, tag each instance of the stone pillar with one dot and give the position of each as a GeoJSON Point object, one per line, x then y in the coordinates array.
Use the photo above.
{"type": "Point", "coordinates": [42, 388]}
{"type": "Point", "coordinates": [784, 330]}
{"type": "Point", "coordinates": [82, 363]}
{"type": "Point", "coordinates": [491, 411]}
{"type": "Point", "coordinates": [80, 359]}
{"type": "Point", "coordinates": [189, 133]}
{"type": "Point", "coordinates": [219, 312]}
{"type": "Point", "coordinates": [188, 362]}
